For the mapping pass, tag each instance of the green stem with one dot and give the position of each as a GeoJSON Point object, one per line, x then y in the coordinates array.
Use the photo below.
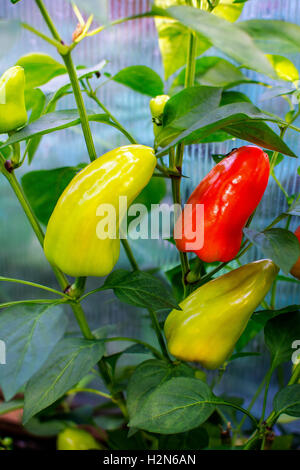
{"type": "Point", "coordinates": [90, 390]}
{"type": "Point", "coordinates": [94, 97]}
{"type": "Point", "coordinates": [48, 20]}
{"type": "Point", "coordinates": [273, 294]}
{"type": "Point", "coordinates": [255, 397]}
{"type": "Point", "coordinates": [33, 221]}
{"type": "Point", "coordinates": [159, 335]}
{"type": "Point", "coordinates": [137, 341]}
{"type": "Point", "coordinates": [33, 284]}
{"type": "Point", "coordinates": [190, 66]}
{"type": "Point", "coordinates": [33, 301]}
{"type": "Point", "coordinates": [60, 47]}
{"type": "Point", "coordinates": [129, 254]}
{"type": "Point", "coordinates": [279, 185]}
{"type": "Point", "coordinates": [268, 380]}
{"type": "Point", "coordinates": [80, 105]}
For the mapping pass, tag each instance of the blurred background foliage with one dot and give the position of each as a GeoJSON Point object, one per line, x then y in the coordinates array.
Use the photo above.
{"type": "Point", "coordinates": [131, 43]}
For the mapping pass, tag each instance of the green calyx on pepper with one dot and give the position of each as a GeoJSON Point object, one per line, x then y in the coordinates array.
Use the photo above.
{"type": "Point", "coordinates": [13, 113]}
{"type": "Point", "coordinates": [79, 239]}
{"type": "Point", "coordinates": [76, 439]}
{"type": "Point", "coordinates": [214, 316]}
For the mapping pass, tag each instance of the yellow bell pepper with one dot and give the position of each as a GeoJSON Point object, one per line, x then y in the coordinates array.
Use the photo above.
{"type": "Point", "coordinates": [12, 102]}
{"type": "Point", "coordinates": [214, 316]}
{"type": "Point", "coordinates": [73, 240]}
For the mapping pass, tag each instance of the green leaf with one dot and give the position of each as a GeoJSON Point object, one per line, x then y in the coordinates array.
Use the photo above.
{"type": "Point", "coordinates": [178, 405]}
{"type": "Point", "coordinates": [225, 36]}
{"type": "Point", "coordinates": [47, 428]}
{"type": "Point", "coordinates": [35, 102]}
{"type": "Point", "coordinates": [153, 193]}
{"type": "Point", "coordinates": [109, 422]}
{"type": "Point", "coordinates": [7, 407]}
{"type": "Point", "coordinates": [259, 133]}
{"type": "Point", "coordinates": [39, 69]}
{"type": "Point", "coordinates": [142, 79]}
{"type": "Point", "coordinates": [70, 360]}
{"type": "Point", "coordinates": [284, 68]}
{"type": "Point", "coordinates": [140, 289]}
{"type": "Point", "coordinates": [30, 333]}
{"type": "Point", "coordinates": [287, 401]}
{"type": "Point", "coordinates": [147, 377]}
{"type": "Point", "coordinates": [280, 333]}
{"type": "Point", "coordinates": [279, 244]}
{"type": "Point", "coordinates": [174, 39]}
{"type": "Point", "coordinates": [52, 122]}
{"type": "Point", "coordinates": [294, 209]}
{"type": "Point", "coordinates": [192, 440]}
{"type": "Point", "coordinates": [120, 439]}
{"type": "Point", "coordinates": [214, 71]}
{"type": "Point", "coordinates": [59, 85]}
{"type": "Point", "coordinates": [44, 187]}
{"type": "Point", "coordinates": [189, 105]}
{"type": "Point", "coordinates": [273, 36]}
{"type": "Point", "coordinates": [9, 34]}
{"type": "Point", "coordinates": [223, 117]}
{"type": "Point", "coordinates": [229, 97]}
{"type": "Point", "coordinates": [257, 323]}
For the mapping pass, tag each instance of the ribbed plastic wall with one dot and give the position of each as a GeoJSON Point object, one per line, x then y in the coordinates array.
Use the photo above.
{"type": "Point", "coordinates": [129, 44]}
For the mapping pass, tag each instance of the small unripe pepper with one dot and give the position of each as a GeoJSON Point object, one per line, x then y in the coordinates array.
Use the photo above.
{"type": "Point", "coordinates": [295, 271]}
{"type": "Point", "coordinates": [229, 193]}
{"type": "Point", "coordinates": [157, 106]}
{"type": "Point", "coordinates": [214, 316]}
{"type": "Point", "coordinates": [76, 439]}
{"type": "Point", "coordinates": [12, 102]}
{"type": "Point", "coordinates": [74, 242]}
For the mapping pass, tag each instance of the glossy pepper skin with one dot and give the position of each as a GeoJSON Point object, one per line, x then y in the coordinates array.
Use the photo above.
{"type": "Point", "coordinates": [295, 271]}
{"type": "Point", "coordinates": [230, 193]}
{"type": "Point", "coordinates": [157, 106]}
{"type": "Point", "coordinates": [214, 316]}
{"type": "Point", "coordinates": [76, 439]}
{"type": "Point", "coordinates": [12, 102]}
{"type": "Point", "coordinates": [72, 240]}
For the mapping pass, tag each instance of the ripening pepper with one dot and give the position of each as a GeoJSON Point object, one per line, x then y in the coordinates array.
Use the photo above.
{"type": "Point", "coordinates": [157, 106]}
{"type": "Point", "coordinates": [230, 193]}
{"type": "Point", "coordinates": [295, 271]}
{"type": "Point", "coordinates": [76, 439]}
{"type": "Point", "coordinates": [73, 241]}
{"type": "Point", "coordinates": [214, 316]}
{"type": "Point", "coordinates": [12, 102]}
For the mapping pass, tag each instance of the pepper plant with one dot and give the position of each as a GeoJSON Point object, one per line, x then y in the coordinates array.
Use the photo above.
{"type": "Point", "coordinates": [167, 401]}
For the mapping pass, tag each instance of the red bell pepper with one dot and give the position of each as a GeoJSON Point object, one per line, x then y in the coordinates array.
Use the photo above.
{"type": "Point", "coordinates": [229, 193]}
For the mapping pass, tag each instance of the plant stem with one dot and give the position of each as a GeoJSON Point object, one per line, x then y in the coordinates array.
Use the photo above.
{"type": "Point", "coordinates": [190, 66]}
{"type": "Point", "coordinates": [90, 390]}
{"type": "Point", "coordinates": [255, 397]}
{"type": "Point", "coordinates": [48, 20]}
{"type": "Point", "coordinates": [129, 254]}
{"type": "Point", "coordinates": [60, 47]}
{"type": "Point", "coordinates": [94, 97]}
{"type": "Point", "coordinates": [34, 284]}
{"type": "Point", "coordinates": [137, 341]}
{"type": "Point", "coordinates": [268, 379]}
{"type": "Point", "coordinates": [33, 221]}
{"type": "Point", "coordinates": [80, 105]}
{"type": "Point", "coordinates": [159, 333]}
